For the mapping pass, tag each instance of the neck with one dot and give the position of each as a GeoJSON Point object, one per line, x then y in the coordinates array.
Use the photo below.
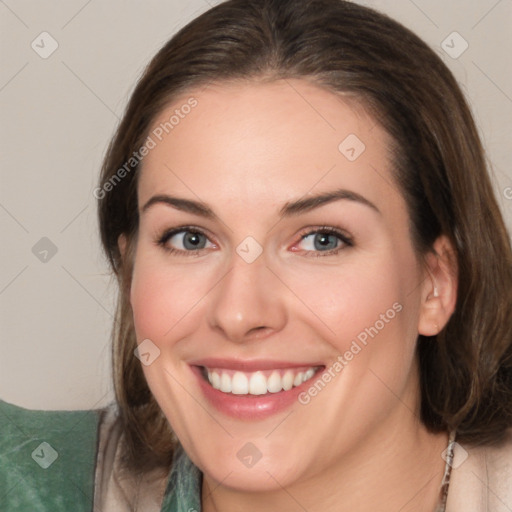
{"type": "Point", "coordinates": [393, 469]}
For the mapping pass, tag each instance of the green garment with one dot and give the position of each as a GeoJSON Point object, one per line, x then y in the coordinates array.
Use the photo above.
{"type": "Point", "coordinates": [48, 462]}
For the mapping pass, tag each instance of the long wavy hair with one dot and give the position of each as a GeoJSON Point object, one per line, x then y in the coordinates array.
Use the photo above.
{"type": "Point", "coordinates": [438, 162]}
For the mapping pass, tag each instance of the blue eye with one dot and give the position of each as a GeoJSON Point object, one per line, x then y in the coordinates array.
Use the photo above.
{"type": "Point", "coordinates": [326, 240]}
{"type": "Point", "coordinates": [187, 240]}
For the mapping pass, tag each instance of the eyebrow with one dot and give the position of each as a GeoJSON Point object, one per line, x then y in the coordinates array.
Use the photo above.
{"type": "Point", "coordinates": [289, 209]}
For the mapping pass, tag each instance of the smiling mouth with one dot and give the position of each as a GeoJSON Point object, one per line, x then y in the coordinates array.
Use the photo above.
{"type": "Point", "coordinates": [260, 382]}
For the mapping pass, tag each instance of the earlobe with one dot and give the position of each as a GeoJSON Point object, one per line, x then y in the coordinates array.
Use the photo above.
{"type": "Point", "coordinates": [439, 289]}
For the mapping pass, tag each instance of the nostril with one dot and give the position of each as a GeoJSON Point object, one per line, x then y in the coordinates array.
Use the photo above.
{"type": "Point", "coordinates": [256, 332]}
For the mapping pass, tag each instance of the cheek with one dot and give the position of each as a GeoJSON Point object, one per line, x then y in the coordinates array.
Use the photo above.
{"type": "Point", "coordinates": [347, 300]}
{"type": "Point", "coordinates": [148, 296]}
{"type": "Point", "coordinates": [368, 315]}
{"type": "Point", "coordinates": [160, 297]}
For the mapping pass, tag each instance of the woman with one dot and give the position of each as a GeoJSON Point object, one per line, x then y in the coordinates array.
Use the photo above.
{"type": "Point", "coordinates": [315, 279]}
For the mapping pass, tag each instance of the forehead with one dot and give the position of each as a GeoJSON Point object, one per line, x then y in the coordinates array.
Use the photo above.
{"type": "Point", "coordinates": [255, 142]}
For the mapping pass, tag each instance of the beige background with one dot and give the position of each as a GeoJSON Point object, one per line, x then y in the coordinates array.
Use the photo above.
{"type": "Point", "coordinates": [57, 115]}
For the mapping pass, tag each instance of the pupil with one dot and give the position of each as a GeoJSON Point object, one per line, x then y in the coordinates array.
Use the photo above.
{"type": "Point", "coordinates": [192, 239]}
{"type": "Point", "coordinates": [323, 241]}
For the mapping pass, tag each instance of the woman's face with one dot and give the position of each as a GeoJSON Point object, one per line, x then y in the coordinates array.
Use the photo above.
{"type": "Point", "coordinates": [303, 311]}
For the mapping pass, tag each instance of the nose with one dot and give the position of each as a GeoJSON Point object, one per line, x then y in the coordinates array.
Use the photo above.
{"type": "Point", "coordinates": [248, 302]}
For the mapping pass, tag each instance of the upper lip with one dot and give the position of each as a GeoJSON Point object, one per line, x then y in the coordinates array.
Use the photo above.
{"type": "Point", "coordinates": [251, 365]}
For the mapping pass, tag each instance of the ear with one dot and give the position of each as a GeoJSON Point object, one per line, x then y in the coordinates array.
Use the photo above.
{"type": "Point", "coordinates": [439, 288]}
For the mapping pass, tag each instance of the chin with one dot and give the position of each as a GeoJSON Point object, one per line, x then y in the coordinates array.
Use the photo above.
{"type": "Point", "coordinates": [264, 476]}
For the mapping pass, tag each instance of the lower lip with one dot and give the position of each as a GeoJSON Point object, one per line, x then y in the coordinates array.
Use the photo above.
{"type": "Point", "coordinates": [250, 407]}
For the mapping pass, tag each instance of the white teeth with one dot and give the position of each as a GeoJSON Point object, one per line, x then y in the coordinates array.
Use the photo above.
{"type": "Point", "coordinates": [299, 379]}
{"type": "Point", "coordinates": [309, 374]}
{"type": "Point", "coordinates": [240, 384]}
{"type": "Point", "coordinates": [257, 383]}
{"type": "Point", "coordinates": [288, 380]}
{"type": "Point", "coordinates": [225, 383]}
{"type": "Point", "coordinates": [274, 384]}
{"type": "Point", "coordinates": [215, 380]}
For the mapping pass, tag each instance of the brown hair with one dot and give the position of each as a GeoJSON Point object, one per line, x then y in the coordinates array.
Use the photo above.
{"type": "Point", "coordinates": [466, 371]}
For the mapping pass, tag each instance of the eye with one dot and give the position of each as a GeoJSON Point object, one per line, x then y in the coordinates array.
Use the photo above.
{"type": "Point", "coordinates": [184, 240]}
{"type": "Point", "coordinates": [326, 240]}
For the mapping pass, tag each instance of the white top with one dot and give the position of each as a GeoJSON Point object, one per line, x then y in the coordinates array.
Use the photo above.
{"type": "Point", "coordinates": [114, 490]}
{"type": "Point", "coordinates": [480, 481]}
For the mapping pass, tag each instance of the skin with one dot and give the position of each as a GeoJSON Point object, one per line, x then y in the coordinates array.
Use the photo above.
{"type": "Point", "coordinates": [246, 149]}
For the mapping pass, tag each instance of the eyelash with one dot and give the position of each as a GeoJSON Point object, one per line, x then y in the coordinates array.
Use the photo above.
{"type": "Point", "coordinates": [346, 240]}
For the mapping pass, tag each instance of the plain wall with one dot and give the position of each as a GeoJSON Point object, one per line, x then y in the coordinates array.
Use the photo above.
{"type": "Point", "coordinates": [57, 116]}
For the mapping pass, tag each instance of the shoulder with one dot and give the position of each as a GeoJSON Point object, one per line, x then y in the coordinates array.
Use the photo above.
{"type": "Point", "coordinates": [481, 478]}
{"type": "Point", "coordinates": [47, 458]}
{"type": "Point", "coordinates": [118, 489]}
